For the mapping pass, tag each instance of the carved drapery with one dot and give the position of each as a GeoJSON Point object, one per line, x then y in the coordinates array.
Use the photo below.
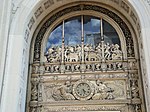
{"type": "Point", "coordinates": [97, 76]}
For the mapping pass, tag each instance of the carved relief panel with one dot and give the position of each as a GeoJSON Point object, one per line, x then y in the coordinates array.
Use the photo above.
{"type": "Point", "coordinates": [86, 68]}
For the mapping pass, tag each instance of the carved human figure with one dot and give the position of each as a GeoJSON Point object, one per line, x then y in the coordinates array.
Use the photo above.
{"type": "Point", "coordinates": [78, 51]}
{"type": "Point", "coordinates": [100, 91]}
{"type": "Point", "coordinates": [65, 54]}
{"type": "Point", "coordinates": [107, 51]}
{"type": "Point", "coordinates": [53, 54]}
{"type": "Point", "coordinates": [116, 53]}
{"type": "Point", "coordinates": [70, 54]}
{"type": "Point", "coordinates": [71, 48]}
{"type": "Point", "coordinates": [59, 51]}
{"type": "Point", "coordinates": [63, 92]}
{"type": "Point", "coordinates": [86, 51]}
{"type": "Point", "coordinates": [66, 91]}
{"type": "Point", "coordinates": [99, 50]}
{"type": "Point", "coordinates": [57, 94]}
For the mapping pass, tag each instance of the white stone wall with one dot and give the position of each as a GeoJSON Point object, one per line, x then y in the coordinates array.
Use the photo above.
{"type": "Point", "coordinates": [4, 32]}
{"type": "Point", "coordinates": [15, 38]}
{"type": "Point", "coordinates": [143, 10]}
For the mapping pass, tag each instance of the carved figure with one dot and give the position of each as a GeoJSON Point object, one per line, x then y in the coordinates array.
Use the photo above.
{"type": "Point", "coordinates": [71, 57]}
{"type": "Point", "coordinates": [71, 49]}
{"type": "Point", "coordinates": [78, 51]}
{"type": "Point", "coordinates": [107, 51]}
{"type": "Point", "coordinates": [100, 91]}
{"type": "Point", "coordinates": [99, 50]}
{"type": "Point", "coordinates": [34, 92]}
{"type": "Point", "coordinates": [66, 91]}
{"type": "Point", "coordinates": [33, 109]}
{"type": "Point", "coordinates": [92, 56]}
{"type": "Point", "coordinates": [77, 67]}
{"type": "Point", "coordinates": [53, 54]}
{"type": "Point", "coordinates": [116, 53]}
{"type": "Point", "coordinates": [63, 92]}
{"type": "Point", "coordinates": [88, 67]}
{"type": "Point", "coordinates": [91, 53]}
{"type": "Point", "coordinates": [57, 94]}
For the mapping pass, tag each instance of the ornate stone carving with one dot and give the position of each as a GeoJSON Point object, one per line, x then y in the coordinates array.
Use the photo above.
{"type": "Point", "coordinates": [116, 18]}
{"type": "Point", "coordinates": [125, 6]}
{"type": "Point", "coordinates": [27, 33]}
{"type": "Point", "coordinates": [84, 90]}
{"type": "Point", "coordinates": [34, 92]}
{"type": "Point", "coordinates": [73, 53]}
{"type": "Point", "coordinates": [99, 75]}
{"type": "Point", "coordinates": [48, 3]}
{"type": "Point", "coordinates": [102, 91]}
{"type": "Point", "coordinates": [34, 89]}
{"type": "Point", "coordinates": [31, 22]}
{"type": "Point", "coordinates": [121, 108]}
{"type": "Point", "coordinates": [53, 54]}
{"type": "Point", "coordinates": [87, 66]}
{"type": "Point", "coordinates": [65, 92]}
{"type": "Point", "coordinates": [38, 12]}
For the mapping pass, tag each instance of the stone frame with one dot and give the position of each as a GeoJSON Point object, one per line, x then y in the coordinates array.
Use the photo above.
{"type": "Point", "coordinates": [81, 7]}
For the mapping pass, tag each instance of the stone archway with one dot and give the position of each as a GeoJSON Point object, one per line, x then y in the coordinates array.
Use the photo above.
{"type": "Point", "coordinates": [43, 73]}
{"type": "Point", "coordinates": [33, 22]}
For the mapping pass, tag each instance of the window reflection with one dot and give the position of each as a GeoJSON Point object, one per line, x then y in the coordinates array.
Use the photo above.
{"type": "Point", "coordinates": [72, 30]}
{"type": "Point", "coordinates": [55, 38]}
{"type": "Point", "coordinates": [91, 30]}
{"type": "Point", "coordinates": [110, 34]}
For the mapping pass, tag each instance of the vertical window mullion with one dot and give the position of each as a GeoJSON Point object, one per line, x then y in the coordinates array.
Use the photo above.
{"type": "Point", "coordinates": [102, 39]}
{"type": "Point", "coordinates": [82, 38]}
{"type": "Point", "coordinates": [63, 41]}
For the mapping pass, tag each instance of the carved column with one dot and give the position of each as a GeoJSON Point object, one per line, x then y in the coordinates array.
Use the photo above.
{"type": "Point", "coordinates": [34, 94]}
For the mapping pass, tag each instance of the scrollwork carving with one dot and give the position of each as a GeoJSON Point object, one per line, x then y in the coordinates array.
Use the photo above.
{"type": "Point", "coordinates": [34, 89]}
{"type": "Point", "coordinates": [34, 92]}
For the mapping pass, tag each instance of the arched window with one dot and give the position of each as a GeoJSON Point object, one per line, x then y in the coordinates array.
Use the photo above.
{"type": "Point", "coordinates": [85, 63]}
{"type": "Point", "coordinates": [92, 34]}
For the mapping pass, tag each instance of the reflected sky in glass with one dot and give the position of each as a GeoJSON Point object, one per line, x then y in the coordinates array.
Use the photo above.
{"type": "Point", "coordinates": [55, 38]}
{"type": "Point", "coordinates": [91, 30]}
{"type": "Point", "coordinates": [73, 31]}
{"type": "Point", "coordinates": [110, 34]}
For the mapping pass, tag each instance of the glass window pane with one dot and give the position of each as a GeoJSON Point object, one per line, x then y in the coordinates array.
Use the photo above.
{"type": "Point", "coordinates": [91, 30]}
{"type": "Point", "coordinates": [55, 38]}
{"type": "Point", "coordinates": [73, 31]}
{"type": "Point", "coordinates": [110, 34]}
